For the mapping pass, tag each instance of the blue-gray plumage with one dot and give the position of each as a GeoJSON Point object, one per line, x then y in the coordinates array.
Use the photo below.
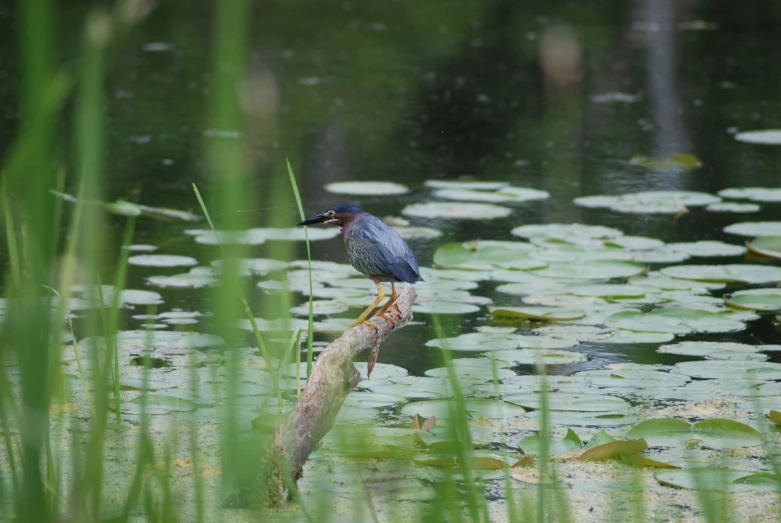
{"type": "Point", "coordinates": [374, 248]}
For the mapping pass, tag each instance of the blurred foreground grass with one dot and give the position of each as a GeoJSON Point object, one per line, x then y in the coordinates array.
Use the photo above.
{"type": "Point", "coordinates": [105, 465]}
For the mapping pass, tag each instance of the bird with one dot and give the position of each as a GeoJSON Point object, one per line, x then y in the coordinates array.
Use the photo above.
{"type": "Point", "coordinates": [375, 250]}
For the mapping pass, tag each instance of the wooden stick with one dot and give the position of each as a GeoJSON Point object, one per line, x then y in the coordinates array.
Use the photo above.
{"type": "Point", "coordinates": [332, 378]}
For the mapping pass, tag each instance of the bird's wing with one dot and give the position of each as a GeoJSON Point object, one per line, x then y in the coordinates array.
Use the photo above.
{"type": "Point", "coordinates": [393, 255]}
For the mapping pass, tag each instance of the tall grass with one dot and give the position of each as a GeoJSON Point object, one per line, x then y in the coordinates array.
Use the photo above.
{"type": "Point", "coordinates": [59, 467]}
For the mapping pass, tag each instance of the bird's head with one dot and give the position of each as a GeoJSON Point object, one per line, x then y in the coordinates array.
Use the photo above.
{"type": "Point", "coordinates": [339, 215]}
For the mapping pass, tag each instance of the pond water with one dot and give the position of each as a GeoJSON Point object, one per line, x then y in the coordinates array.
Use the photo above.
{"type": "Point", "coordinates": [573, 98]}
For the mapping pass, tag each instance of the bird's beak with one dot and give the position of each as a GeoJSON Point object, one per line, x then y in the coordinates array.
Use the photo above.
{"type": "Point", "coordinates": [314, 220]}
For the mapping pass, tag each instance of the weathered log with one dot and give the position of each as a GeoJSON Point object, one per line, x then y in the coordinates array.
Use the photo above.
{"type": "Point", "coordinates": [332, 378]}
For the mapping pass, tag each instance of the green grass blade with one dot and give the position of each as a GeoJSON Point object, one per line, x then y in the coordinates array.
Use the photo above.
{"type": "Point", "coordinates": [309, 349]}
{"type": "Point", "coordinates": [247, 310]}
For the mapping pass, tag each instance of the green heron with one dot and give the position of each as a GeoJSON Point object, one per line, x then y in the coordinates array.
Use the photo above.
{"type": "Point", "coordinates": [375, 249]}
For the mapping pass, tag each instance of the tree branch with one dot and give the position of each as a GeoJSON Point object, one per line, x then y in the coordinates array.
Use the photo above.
{"type": "Point", "coordinates": [332, 378]}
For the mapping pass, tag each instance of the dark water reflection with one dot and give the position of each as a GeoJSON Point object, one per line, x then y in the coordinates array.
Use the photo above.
{"type": "Point", "coordinates": [408, 91]}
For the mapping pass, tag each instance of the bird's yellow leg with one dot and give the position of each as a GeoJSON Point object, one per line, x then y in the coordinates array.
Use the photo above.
{"type": "Point", "coordinates": [370, 308]}
{"type": "Point", "coordinates": [391, 301]}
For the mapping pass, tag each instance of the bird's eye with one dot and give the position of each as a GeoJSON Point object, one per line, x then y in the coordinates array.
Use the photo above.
{"type": "Point", "coordinates": [331, 214]}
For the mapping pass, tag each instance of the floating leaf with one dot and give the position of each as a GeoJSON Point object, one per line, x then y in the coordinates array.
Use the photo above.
{"type": "Point", "coordinates": [739, 370]}
{"type": "Point", "coordinates": [197, 277]}
{"type": "Point", "coordinates": [366, 188]}
{"type": "Point", "coordinates": [444, 307]}
{"type": "Point", "coordinates": [537, 313]}
{"type": "Point", "coordinates": [157, 404]}
{"type": "Point", "coordinates": [725, 273]}
{"type": "Point", "coordinates": [456, 210]}
{"type": "Point", "coordinates": [766, 246]}
{"type": "Point", "coordinates": [566, 230]}
{"type": "Point", "coordinates": [733, 207]}
{"type": "Point", "coordinates": [765, 136]}
{"type": "Point", "coordinates": [674, 320]}
{"type": "Point", "coordinates": [614, 450]}
{"type": "Point", "coordinates": [642, 461]}
{"type": "Point", "coordinates": [607, 290]}
{"type": "Point", "coordinates": [651, 202]}
{"type": "Point", "coordinates": [418, 233]}
{"type": "Point", "coordinates": [470, 253]}
{"type": "Point", "coordinates": [709, 478]}
{"type": "Point", "coordinates": [476, 341]}
{"type": "Point", "coordinates": [754, 229]}
{"type": "Point", "coordinates": [775, 417]}
{"type": "Point", "coordinates": [535, 356]}
{"type": "Point", "coordinates": [756, 194]}
{"type": "Point", "coordinates": [466, 184]}
{"type": "Point", "coordinates": [712, 350]}
{"type": "Point", "coordinates": [599, 438]}
{"type": "Point", "coordinates": [569, 402]}
{"type": "Point", "coordinates": [714, 433]}
{"type": "Point", "coordinates": [593, 270]}
{"type": "Point", "coordinates": [676, 162]}
{"type": "Point", "coordinates": [633, 379]}
{"type": "Point", "coordinates": [258, 236]}
{"type": "Point", "coordinates": [707, 249]}
{"type": "Point", "coordinates": [503, 194]}
{"type": "Point", "coordinates": [764, 300]}
{"type": "Point", "coordinates": [570, 443]}
{"type": "Point", "coordinates": [162, 260]}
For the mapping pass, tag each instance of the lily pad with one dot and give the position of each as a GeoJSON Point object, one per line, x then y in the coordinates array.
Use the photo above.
{"type": "Point", "coordinates": [633, 378]}
{"type": "Point", "coordinates": [674, 320]}
{"type": "Point", "coordinates": [614, 450]}
{"type": "Point", "coordinates": [650, 202]}
{"type": "Point", "coordinates": [766, 246]}
{"type": "Point", "coordinates": [754, 229]}
{"type": "Point", "coordinates": [712, 350]}
{"type": "Point", "coordinates": [566, 230]}
{"type": "Point", "coordinates": [157, 404]}
{"type": "Point", "coordinates": [444, 409]}
{"type": "Point", "coordinates": [707, 249]}
{"type": "Point", "coordinates": [537, 313]}
{"type": "Point", "coordinates": [466, 184]}
{"type": "Point", "coordinates": [536, 356]}
{"type": "Point", "coordinates": [456, 210]}
{"type": "Point", "coordinates": [197, 277]}
{"type": "Point", "coordinates": [765, 136]}
{"type": "Point", "coordinates": [717, 479]}
{"type": "Point", "coordinates": [569, 402]}
{"type": "Point", "coordinates": [162, 260]}
{"type": "Point", "coordinates": [607, 290]}
{"type": "Point", "coordinates": [418, 233]}
{"type": "Point", "coordinates": [471, 253]}
{"type": "Point", "coordinates": [258, 236]}
{"type": "Point", "coordinates": [591, 270]}
{"type": "Point", "coordinates": [364, 188]}
{"type": "Point", "coordinates": [714, 433]}
{"type": "Point", "coordinates": [634, 243]}
{"type": "Point", "coordinates": [320, 307]}
{"type": "Point", "coordinates": [476, 341]}
{"type": "Point", "coordinates": [570, 443]}
{"type": "Point", "coordinates": [733, 207]}
{"type": "Point", "coordinates": [725, 273]}
{"type": "Point", "coordinates": [763, 300]}
{"type": "Point", "coordinates": [747, 371]}
{"type": "Point", "coordinates": [756, 194]}
{"type": "Point", "coordinates": [503, 194]}
{"type": "Point", "coordinates": [676, 162]}
{"type": "Point", "coordinates": [445, 307]}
